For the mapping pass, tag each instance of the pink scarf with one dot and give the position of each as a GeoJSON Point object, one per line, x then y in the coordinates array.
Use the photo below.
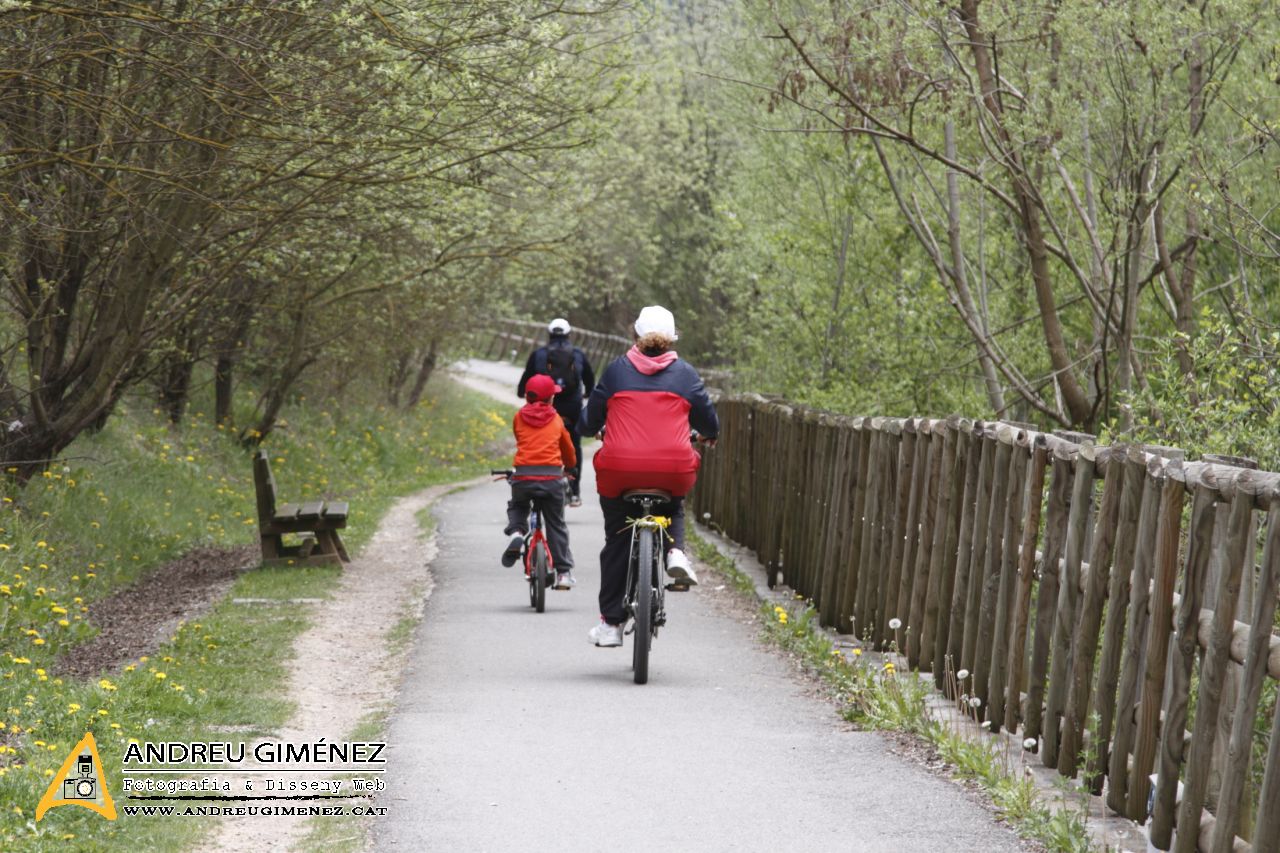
{"type": "Point", "coordinates": [650, 364]}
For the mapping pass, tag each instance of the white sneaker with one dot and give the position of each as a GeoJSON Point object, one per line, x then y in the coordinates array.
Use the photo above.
{"type": "Point", "coordinates": [605, 635]}
{"type": "Point", "coordinates": [564, 580]}
{"type": "Point", "coordinates": [679, 568]}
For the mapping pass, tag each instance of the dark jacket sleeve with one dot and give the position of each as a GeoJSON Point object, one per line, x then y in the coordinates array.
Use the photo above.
{"type": "Point", "coordinates": [528, 373]}
{"type": "Point", "coordinates": [702, 414]}
{"type": "Point", "coordinates": [588, 376]}
{"type": "Point", "coordinates": [591, 421]}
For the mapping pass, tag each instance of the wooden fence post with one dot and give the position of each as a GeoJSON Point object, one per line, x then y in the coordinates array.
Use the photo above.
{"type": "Point", "coordinates": [1084, 642]}
{"type": "Point", "coordinates": [1157, 657]}
{"type": "Point", "coordinates": [906, 505]}
{"type": "Point", "coordinates": [1267, 830]}
{"type": "Point", "coordinates": [961, 432]}
{"type": "Point", "coordinates": [912, 602]}
{"type": "Point", "coordinates": [1132, 685]}
{"type": "Point", "coordinates": [1032, 501]}
{"type": "Point", "coordinates": [1068, 598]}
{"type": "Point", "coordinates": [977, 565]}
{"type": "Point", "coordinates": [1055, 534]}
{"type": "Point", "coordinates": [992, 557]}
{"type": "Point", "coordinates": [940, 560]}
{"type": "Point", "coordinates": [1186, 646]}
{"type": "Point", "coordinates": [852, 578]}
{"type": "Point", "coordinates": [1113, 635]}
{"type": "Point", "coordinates": [1213, 671]}
{"type": "Point", "coordinates": [1012, 536]}
{"type": "Point", "coordinates": [974, 449]}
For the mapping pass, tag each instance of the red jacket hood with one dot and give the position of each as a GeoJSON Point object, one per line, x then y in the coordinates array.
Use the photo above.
{"type": "Point", "coordinates": [537, 414]}
{"type": "Point", "coordinates": [648, 364]}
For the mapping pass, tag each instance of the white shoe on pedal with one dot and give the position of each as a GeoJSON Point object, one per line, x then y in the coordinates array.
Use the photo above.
{"type": "Point", "coordinates": [679, 568]}
{"type": "Point", "coordinates": [605, 635]}
{"type": "Point", "coordinates": [565, 580]}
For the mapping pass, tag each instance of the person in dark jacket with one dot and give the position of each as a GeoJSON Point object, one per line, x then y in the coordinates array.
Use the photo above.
{"type": "Point", "coordinates": [571, 369]}
{"type": "Point", "coordinates": [646, 401]}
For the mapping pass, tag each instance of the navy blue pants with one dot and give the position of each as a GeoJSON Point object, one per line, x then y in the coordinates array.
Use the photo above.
{"type": "Point", "coordinates": [617, 548]}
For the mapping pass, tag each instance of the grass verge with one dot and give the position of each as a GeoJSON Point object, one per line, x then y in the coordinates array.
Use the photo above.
{"type": "Point", "coordinates": [140, 493]}
{"type": "Point", "coordinates": [869, 691]}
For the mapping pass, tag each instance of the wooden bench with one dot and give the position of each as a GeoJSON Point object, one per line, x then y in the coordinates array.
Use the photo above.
{"type": "Point", "coordinates": [318, 522]}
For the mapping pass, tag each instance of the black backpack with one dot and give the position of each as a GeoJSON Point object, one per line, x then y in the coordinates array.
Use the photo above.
{"type": "Point", "coordinates": [562, 366]}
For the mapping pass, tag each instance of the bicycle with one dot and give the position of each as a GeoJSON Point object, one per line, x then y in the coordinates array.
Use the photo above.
{"type": "Point", "coordinates": [645, 600]}
{"type": "Point", "coordinates": [535, 556]}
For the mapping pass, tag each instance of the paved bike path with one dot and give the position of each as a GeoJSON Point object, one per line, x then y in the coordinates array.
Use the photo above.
{"type": "Point", "coordinates": [512, 733]}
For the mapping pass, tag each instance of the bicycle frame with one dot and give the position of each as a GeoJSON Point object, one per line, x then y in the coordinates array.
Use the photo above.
{"type": "Point", "coordinates": [658, 524]}
{"type": "Point", "coordinates": [535, 539]}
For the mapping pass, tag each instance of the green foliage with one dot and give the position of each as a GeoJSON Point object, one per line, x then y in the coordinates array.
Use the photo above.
{"type": "Point", "coordinates": [1229, 407]}
{"type": "Point", "coordinates": [140, 493]}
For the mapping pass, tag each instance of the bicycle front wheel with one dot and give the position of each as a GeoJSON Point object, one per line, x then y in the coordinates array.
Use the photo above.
{"type": "Point", "coordinates": [538, 579]}
{"type": "Point", "coordinates": [643, 633]}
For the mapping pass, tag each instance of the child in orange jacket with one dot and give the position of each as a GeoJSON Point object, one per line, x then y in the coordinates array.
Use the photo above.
{"type": "Point", "coordinates": [544, 450]}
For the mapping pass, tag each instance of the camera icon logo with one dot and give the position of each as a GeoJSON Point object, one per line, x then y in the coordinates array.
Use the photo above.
{"type": "Point", "coordinates": [83, 786]}
{"type": "Point", "coordinates": [80, 782]}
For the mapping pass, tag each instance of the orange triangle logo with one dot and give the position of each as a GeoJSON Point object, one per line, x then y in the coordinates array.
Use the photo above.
{"type": "Point", "coordinates": [81, 781]}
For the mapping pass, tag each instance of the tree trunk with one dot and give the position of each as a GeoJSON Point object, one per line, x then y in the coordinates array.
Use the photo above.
{"type": "Point", "coordinates": [229, 351]}
{"type": "Point", "coordinates": [425, 370]}
{"type": "Point", "coordinates": [1074, 399]}
{"type": "Point", "coordinates": [396, 379]}
{"type": "Point", "coordinates": [175, 389]}
{"type": "Point", "coordinates": [995, 395]}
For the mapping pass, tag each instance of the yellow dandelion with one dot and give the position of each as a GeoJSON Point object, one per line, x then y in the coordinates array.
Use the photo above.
{"type": "Point", "coordinates": [161, 676]}
{"type": "Point", "coordinates": [73, 707]}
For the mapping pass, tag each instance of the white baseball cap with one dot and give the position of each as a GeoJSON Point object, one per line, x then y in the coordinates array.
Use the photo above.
{"type": "Point", "coordinates": [655, 318]}
{"type": "Point", "coordinates": [559, 326]}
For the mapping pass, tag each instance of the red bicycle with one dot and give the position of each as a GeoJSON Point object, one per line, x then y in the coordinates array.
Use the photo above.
{"type": "Point", "coordinates": [539, 567]}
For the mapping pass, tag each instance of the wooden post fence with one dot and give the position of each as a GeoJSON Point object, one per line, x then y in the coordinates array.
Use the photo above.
{"type": "Point", "coordinates": [1114, 605]}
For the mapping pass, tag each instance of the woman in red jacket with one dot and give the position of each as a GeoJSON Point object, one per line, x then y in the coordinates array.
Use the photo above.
{"type": "Point", "coordinates": [645, 401]}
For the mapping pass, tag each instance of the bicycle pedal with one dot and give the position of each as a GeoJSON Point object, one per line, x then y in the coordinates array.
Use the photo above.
{"type": "Point", "coordinates": [679, 587]}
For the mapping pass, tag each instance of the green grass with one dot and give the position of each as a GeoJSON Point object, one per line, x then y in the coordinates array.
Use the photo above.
{"type": "Point", "coordinates": [141, 493]}
{"type": "Point", "coordinates": [869, 691]}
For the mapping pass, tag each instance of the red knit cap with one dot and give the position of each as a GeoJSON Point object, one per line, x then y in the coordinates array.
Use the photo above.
{"type": "Point", "coordinates": [541, 387]}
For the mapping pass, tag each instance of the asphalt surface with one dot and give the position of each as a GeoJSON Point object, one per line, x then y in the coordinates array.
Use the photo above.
{"type": "Point", "coordinates": [513, 733]}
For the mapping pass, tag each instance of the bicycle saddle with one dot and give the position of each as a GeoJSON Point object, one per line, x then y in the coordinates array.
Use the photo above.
{"type": "Point", "coordinates": [637, 494]}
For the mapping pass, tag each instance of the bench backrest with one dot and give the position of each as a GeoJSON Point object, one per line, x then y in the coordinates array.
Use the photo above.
{"type": "Point", "coordinates": [264, 485]}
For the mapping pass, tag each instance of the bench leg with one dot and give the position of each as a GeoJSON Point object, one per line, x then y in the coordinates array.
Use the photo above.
{"type": "Point", "coordinates": [342, 549]}
{"type": "Point", "coordinates": [271, 547]}
{"type": "Point", "coordinates": [330, 545]}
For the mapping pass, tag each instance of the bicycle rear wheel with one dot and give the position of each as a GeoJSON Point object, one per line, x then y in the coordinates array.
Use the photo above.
{"type": "Point", "coordinates": [538, 578]}
{"type": "Point", "coordinates": [642, 635]}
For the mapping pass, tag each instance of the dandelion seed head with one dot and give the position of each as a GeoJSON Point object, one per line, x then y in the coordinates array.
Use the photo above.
{"type": "Point", "coordinates": [962, 674]}
{"type": "Point", "coordinates": [975, 702]}
{"type": "Point", "coordinates": [1029, 743]}
{"type": "Point", "coordinates": [895, 624]}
